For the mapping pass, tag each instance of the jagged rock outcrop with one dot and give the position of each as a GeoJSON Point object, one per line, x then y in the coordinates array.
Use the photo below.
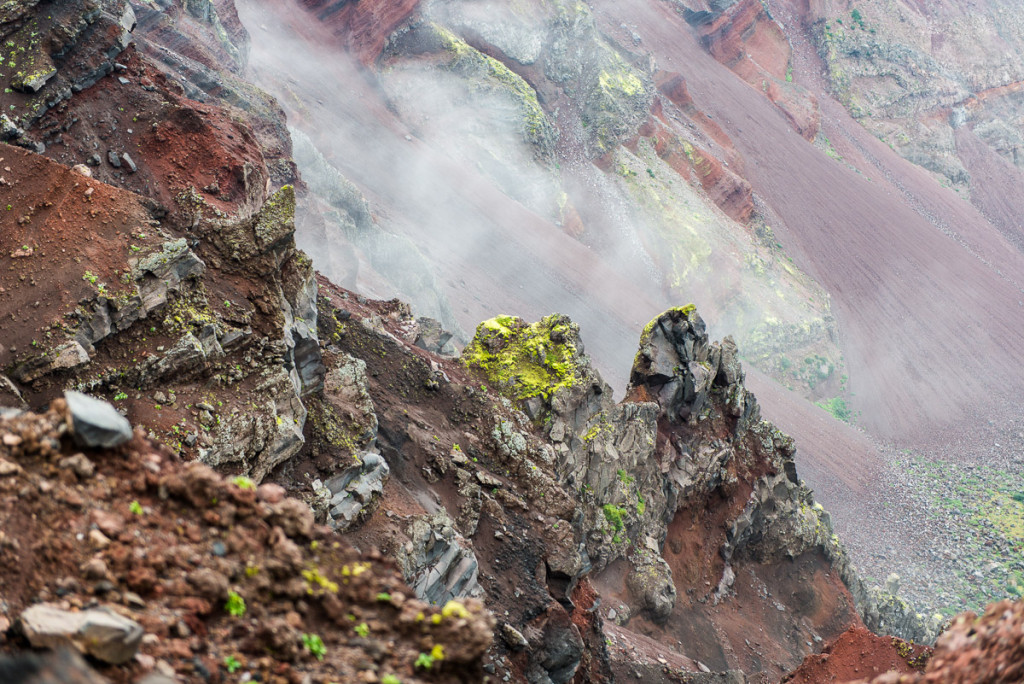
{"type": "Point", "coordinates": [688, 443]}
{"type": "Point", "coordinates": [85, 38]}
{"type": "Point", "coordinates": [355, 492]}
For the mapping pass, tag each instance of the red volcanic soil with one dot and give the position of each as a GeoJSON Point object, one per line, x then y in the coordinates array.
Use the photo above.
{"type": "Point", "coordinates": [175, 143]}
{"type": "Point", "coordinates": [859, 654]}
{"type": "Point", "coordinates": [63, 235]}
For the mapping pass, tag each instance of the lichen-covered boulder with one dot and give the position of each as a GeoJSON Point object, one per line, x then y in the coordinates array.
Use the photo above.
{"type": "Point", "coordinates": [541, 364]}
{"type": "Point", "coordinates": [651, 582]}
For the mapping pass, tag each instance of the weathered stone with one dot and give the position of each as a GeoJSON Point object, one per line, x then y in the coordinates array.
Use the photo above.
{"type": "Point", "coordinates": [513, 637]}
{"type": "Point", "coordinates": [161, 272]}
{"type": "Point", "coordinates": [129, 162]}
{"type": "Point", "coordinates": [438, 562]}
{"type": "Point", "coordinates": [10, 396]}
{"type": "Point", "coordinates": [433, 337]}
{"type": "Point", "coordinates": [651, 582]}
{"type": "Point", "coordinates": [65, 357]}
{"type": "Point", "coordinates": [356, 491]}
{"type": "Point", "coordinates": [186, 356]}
{"type": "Point", "coordinates": [556, 647]}
{"type": "Point", "coordinates": [8, 130]}
{"type": "Point", "coordinates": [95, 423]}
{"type": "Point", "coordinates": [80, 464]}
{"type": "Point", "coordinates": [261, 439]}
{"type": "Point", "coordinates": [100, 633]}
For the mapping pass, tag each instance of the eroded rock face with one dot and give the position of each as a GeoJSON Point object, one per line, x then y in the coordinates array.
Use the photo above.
{"type": "Point", "coordinates": [356, 491]}
{"type": "Point", "coordinates": [168, 304]}
{"type": "Point", "coordinates": [438, 562]}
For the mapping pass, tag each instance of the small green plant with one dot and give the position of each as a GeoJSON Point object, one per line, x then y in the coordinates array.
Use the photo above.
{"type": "Point", "coordinates": [362, 629]}
{"type": "Point", "coordinates": [427, 660]}
{"type": "Point", "coordinates": [384, 596]}
{"type": "Point", "coordinates": [315, 645]}
{"type": "Point", "coordinates": [232, 664]}
{"type": "Point", "coordinates": [838, 408]}
{"type": "Point", "coordinates": [242, 482]}
{"type": "Point", "coordinates": [135, 507]}
{"type": "Point", "coordinates": [120, 396]}
{"type": "Point", "coordinates": [390, 679]}
{"type": "Point", "coordinates": [624, 478]}
{"type": "Point", "coordinates": [613, 514]}
{"type": "Point", "coordinates": [235, 605]}
{"type": "Point", "coordinates": [89, 275]}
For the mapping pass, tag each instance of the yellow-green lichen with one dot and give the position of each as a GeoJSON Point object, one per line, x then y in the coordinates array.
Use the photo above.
{"type": "Point", "coordinates": [277, 217]}
{"type": "Point", "coordinates": [336, 432]}
{"type": "Point", "coordinates": [464, 58]}
{"type": "Point", "coordinates": [188, 310]}
{"type": "Point", "coordinates": [525, 361]}
{"type": "Point", "coordinates": [621, 80]}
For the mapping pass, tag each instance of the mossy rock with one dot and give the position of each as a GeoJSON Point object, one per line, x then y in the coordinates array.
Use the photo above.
{"type": "Point", "coordinates": [525, 360]}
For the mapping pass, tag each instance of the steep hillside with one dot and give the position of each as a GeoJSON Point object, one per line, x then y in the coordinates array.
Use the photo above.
{"type": "Point", "coordinates": [327, 484]}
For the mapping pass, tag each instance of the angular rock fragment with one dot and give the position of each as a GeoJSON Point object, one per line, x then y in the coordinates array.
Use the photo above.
{"type": "Point", "coordinates": [438, 562]}
{"type": "Point", "coordinates": [434, 338]}
{"type": "Point", "coordinates": [100, 633]}
{"type": "Point", "coordinates": [127, 160]}
{"type": "Point", "coordinates": [95, 423]}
